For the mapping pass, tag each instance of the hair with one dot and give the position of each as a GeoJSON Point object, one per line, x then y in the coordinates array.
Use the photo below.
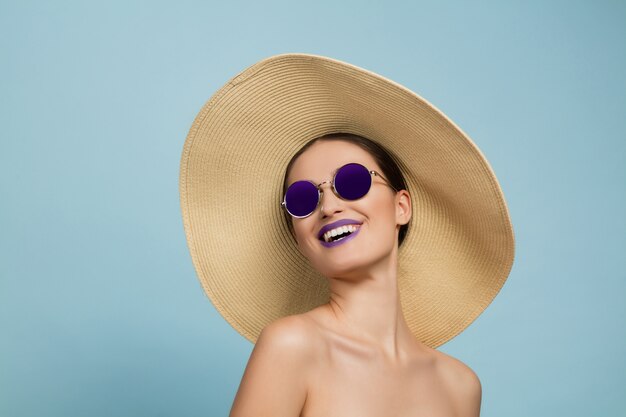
{"type": "Point", "coordinates": [382, 156]}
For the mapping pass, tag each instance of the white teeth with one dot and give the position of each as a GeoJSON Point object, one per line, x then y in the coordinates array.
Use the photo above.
{"type": "Point", "coordinates": [340, 230]}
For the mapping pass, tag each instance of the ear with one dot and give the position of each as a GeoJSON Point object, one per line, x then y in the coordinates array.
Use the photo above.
{"type": "Point", "coordinates": [403, 207]}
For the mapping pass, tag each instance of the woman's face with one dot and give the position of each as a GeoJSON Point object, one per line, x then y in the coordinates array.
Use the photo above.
{"type": "Point", "coordinates": [378, 214]}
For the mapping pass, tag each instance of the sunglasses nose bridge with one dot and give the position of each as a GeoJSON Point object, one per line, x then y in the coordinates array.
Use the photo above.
{"type": "Point", "coordinates": [329, 200]}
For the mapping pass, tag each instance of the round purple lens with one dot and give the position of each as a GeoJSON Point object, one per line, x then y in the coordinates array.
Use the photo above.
{"type": "Point", "coordinates": [301, 198]}
{"type": "Point", "coordinates": [353, 181]}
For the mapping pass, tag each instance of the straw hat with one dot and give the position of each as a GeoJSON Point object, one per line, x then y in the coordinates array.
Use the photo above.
{"type": "Point", "coordinates": [459, 248]}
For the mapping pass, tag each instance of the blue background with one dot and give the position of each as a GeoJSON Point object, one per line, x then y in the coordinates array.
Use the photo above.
{"type": "Point", "coordinates": [101, 313]}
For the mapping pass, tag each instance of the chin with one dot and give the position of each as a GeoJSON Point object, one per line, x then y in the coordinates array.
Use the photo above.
{"type": "Point", "coordinates": [341, 265]}
{"type": "Point", "coordinates": [357, 255]}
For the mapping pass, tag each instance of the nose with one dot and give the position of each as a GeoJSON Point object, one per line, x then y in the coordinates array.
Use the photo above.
{"type": "Point", "coordinates": [329, 202]}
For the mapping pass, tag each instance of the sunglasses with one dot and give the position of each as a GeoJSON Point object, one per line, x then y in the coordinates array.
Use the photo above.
{"type": "Point", "coordinates": [350, 182]}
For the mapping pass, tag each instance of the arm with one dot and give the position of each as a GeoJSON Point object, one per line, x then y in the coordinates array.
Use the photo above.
{"type": "Point", "coordinates": [274, 383]}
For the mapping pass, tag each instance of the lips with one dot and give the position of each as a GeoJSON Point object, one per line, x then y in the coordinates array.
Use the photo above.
{"type": "Point", "coordinates": [341, 241]}
{"type": "Point", "coordinates": [338, 223]}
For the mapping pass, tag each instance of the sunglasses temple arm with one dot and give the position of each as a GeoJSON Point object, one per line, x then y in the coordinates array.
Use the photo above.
{"type": "Point", "coordinates": [384, 179]}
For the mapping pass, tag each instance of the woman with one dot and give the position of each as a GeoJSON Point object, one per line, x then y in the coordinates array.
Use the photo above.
{"type": "Point", "coordinates": [377, 282]}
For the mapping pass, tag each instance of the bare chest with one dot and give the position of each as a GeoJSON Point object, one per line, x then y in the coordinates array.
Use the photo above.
{"type": "Point", "coordinates": [350, 385]}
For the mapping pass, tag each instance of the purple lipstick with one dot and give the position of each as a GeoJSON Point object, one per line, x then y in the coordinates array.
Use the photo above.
{"type": "Point", "coordinates": [338, 223]}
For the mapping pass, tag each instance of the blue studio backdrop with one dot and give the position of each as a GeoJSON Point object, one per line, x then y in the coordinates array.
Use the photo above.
{"type": "Point", "coordinates": [101, 313]}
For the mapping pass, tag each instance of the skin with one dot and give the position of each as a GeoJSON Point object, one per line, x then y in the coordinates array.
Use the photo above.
{"type": "Point", "coordinates": [354, 356]}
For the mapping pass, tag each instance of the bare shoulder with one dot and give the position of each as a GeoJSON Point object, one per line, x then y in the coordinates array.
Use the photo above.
{"type": "Point", "coordinates": [275, 381]}
{"type": "Point", "coordinates": [462, 383]}
{"type": "Point", "coordinates": [291, 335]}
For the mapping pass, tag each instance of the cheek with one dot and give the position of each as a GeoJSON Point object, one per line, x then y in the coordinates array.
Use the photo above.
{"type": "Point", "coordinates": [383, 217]}
{"type": "Point", "coordinates": [379, 207]}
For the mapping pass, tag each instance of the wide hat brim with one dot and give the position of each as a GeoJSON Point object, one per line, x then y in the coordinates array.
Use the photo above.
{"type": "Point", "coordinates": [459, 248]}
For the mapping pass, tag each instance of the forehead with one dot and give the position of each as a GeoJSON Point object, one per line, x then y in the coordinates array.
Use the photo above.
{"type": "Point", "coordinates": [321, 160]}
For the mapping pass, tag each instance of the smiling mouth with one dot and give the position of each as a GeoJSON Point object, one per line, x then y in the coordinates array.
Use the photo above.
{"type": "Point", "coordinates": [339, 233]}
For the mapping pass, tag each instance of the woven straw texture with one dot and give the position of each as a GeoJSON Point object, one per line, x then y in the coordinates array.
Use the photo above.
{"type": "Point", "coordinates": [459, 248]}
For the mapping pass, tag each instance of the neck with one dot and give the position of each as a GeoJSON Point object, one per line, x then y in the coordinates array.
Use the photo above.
{"type": "Point", "coordinates": [366, 305]}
